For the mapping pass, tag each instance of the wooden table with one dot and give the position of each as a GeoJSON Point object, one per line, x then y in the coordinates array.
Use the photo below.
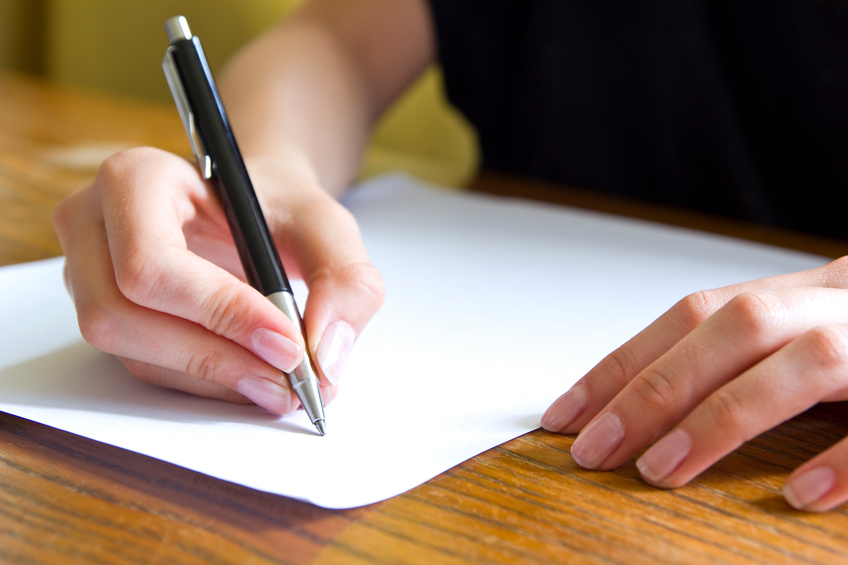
{"type": "Point", "coordinates": [66, 499]}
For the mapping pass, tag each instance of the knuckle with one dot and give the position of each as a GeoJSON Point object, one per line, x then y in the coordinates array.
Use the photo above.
{"type": "Point", "coordinates": [140, 370]}
{"type": "Point", "coordinates": [360, 275]}
{"type": "Point", "coordinates": [319, 209]}
{"type": "Point", "coordinates": [620, 367]}
{"type": "Point", "coordinates": [139, 275]}
{"type": "Point", "coordinates": [115, 167]}
{"type": "Point", "coordinates": [828, 347]}
{"type": "Point", "coordinates": [727, 411]}
{"type": "Point", "coordinates": [227, 314]}
{"type": "Point", "coordinates": [344, 215]}
{"type": "Point", "coordinates": [71, 213]}
{"type": "Point", "coordinates": [98, 326]}
{"type": "Point", "coordinates": [205, 365]}
{"type": "Point", "coordinates": [695, 308]}
{"type": "Point", "coordinates": [328, 208]}
{"type": "Point", "coordinates": [835, 273]}
{"type": "Point", "coordinates": [118, 168]}
{"type": "Point", "coordinates": [365, 276]}
{"type": "Point", "coordinates": [754, 312]}
{"type": "Point", "coordinates": [62, 218]}
{"type": "Point", "coordinates": [654, 388]}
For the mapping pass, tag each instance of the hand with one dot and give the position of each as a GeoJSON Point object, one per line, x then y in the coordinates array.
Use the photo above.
{"type": "Point", "coordinates": [719, 368]}
{"type": "Point", "coordinates": [156, 279]}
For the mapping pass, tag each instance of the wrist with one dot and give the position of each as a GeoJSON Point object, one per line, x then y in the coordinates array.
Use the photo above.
{"type": "Point", "coordinates": [281, 163]}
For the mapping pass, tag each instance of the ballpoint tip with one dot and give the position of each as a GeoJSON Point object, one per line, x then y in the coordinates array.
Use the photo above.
{"type": "Point", "coordinates": [322, 427]}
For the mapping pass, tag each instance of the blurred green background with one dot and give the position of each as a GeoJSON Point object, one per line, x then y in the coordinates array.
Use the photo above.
{"type": "Point", "coordinates": [117, 46]}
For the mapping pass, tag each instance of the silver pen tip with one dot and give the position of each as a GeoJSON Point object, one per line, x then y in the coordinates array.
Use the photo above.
{"type": "Point", "coordinates": [322, 427]}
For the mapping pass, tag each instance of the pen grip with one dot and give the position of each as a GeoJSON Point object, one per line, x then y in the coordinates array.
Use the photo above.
{"type": "Point", "coordinates": [256, 249]}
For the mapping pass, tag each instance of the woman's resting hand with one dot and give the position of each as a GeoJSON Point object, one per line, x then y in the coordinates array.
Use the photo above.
{"type": "Point", "coordinates": [718, 369]}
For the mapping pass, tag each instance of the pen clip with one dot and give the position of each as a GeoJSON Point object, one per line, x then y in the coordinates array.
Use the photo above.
{"type": "Point", "coordinates": [204, 161]}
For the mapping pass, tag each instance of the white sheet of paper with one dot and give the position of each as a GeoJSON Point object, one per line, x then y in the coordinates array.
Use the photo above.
{"type": "Point", "coordinates": [494, 307]}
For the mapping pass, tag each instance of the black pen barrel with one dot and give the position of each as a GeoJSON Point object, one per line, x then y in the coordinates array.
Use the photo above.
{"type": "Point", "coordinates": [256, 249]}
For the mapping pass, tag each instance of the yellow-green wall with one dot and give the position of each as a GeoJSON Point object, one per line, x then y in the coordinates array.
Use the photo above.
{"type": "Point", "coordinates": [117, 46]}
{"type": "Point", "coordinates": [22, 35]}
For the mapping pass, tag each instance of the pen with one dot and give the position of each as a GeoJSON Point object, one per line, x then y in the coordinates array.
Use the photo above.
{"type": "Point", "coordinates": [220, 161]}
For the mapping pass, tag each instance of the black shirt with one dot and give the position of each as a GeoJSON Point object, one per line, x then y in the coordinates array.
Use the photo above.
{"type": "Point", "coordinates": [733, 107]}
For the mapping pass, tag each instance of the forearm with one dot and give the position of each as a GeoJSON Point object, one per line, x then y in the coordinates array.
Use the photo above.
{"type": "Point", "coordinates": [307, 92]}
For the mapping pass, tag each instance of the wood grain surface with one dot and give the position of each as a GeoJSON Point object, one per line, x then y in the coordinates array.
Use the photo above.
{"type": "Point", "coordinates": [67, 499]}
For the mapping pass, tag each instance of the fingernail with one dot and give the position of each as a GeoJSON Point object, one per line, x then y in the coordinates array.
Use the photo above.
{"type": "Point", "coordinates": [276, 349]}
{"type": "Point", "coordinates": [334, 349]}
{"type": "Point", "coordinates": [565, 409]}
{"type": "Point", "coordinates": [595, 444]}
{"type": "Point", "coordinates": [665, 456]}
{"type": "Point", "coordinates": [804, 490]}
{"type": "Point", "coordinates": [266, 394]}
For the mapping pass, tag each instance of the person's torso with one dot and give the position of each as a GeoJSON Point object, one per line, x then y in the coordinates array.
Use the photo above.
{"type": "Point", "coordinates": [736, 107]}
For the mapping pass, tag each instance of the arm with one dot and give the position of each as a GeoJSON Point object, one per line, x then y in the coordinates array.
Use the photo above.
{"type": "Point", "coordinates": [150, 263]}
{"type": "Point", "coordinates": [336, 65]}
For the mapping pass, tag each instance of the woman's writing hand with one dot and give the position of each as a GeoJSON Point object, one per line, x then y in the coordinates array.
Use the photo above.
{"type": "Point", "coordinates": [156, 280]}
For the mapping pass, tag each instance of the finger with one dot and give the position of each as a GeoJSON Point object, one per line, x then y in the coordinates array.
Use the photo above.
{"type": "Point", "coordinates": [821, 484]}
{"type": "Point", "coordinates": [154, 268]}
{"type": "Point", "coordinates": [328, 394]}
{"type": "Point", "coordinates": [266, 392]}
{"type": "Point", "coordinates": [116, 325]}
{"type": "Point", "coordinates": [574, 409]}
{"type": "Point", "coordinates": [812, 367]}
{"type": "Point", "coordinates": [169, 378]}
{"type": "Point", "coordinates": [571, 411]}
{"type": "Point", "coordinates": [321, 239]}
{"type": "Point", "coordinates": [746, 330]}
